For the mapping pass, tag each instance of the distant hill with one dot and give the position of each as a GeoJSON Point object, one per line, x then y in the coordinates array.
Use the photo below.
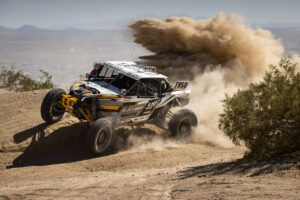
{"type": "Point", "coordinates": [28, 28]}
{"type": "Point", "coordinates": [4, 28]}
{"type": "Point", "coordinates": [25, 27]}
{"type": "Point", "coordinates": [276, 25]}
{"type": "Point", "coordinates": [121, 24]}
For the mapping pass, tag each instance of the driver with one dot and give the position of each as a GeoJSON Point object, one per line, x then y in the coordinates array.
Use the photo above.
{"type": "Point", "coordinates": [142, 89]}
{"type": "Point", "coordinates": [152, 90]}
{"type": "Point", "coordinates": [124, 82]}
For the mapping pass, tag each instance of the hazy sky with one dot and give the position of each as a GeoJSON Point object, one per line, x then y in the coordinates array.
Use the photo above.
{"type": "Point", "coordinates": [47, 13]}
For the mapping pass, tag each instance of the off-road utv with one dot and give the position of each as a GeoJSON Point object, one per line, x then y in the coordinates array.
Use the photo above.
{"type": "Point", "coordinates": [118, 94]}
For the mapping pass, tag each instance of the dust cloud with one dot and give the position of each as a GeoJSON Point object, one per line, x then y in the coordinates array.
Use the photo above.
{"type": "Point", "coordinates": [295, 58]}
{"type": "Point", "coordinates": [181, 42]}
{"type": "Point", "coordinates": [219, 55]}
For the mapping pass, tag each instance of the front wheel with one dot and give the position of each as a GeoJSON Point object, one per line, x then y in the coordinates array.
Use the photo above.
{"type": "Point", "coordinates": [51, 109]}
{"type": "Point", "coordinates": [100, 136]}
{"type": "Point", "coordinates": [182, 122]}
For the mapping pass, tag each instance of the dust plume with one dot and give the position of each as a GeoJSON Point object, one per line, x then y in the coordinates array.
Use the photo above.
{"type": "Point", "coordinates": [218, 55]}
{"type": "Point", "coordinates": [181, 43]}
{"type": "Point", "coordinates": [295, 58]}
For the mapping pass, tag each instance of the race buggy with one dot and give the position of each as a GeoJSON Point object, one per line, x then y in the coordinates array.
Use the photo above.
{"type": "Point", "coordinates": [118, 94]}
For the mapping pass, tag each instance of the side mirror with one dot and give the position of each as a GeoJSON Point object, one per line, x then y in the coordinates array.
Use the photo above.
{"type": "Point", "coordinates": [123, 92]}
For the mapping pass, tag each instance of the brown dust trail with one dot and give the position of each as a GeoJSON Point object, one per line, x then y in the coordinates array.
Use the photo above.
{"type": "Point", "coordinates": [219, 55]}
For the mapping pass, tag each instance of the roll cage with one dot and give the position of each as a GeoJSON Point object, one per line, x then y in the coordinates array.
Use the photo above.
{"type": "Point", "coordinates": [142, 88]}
{"type": "Point", "coordinates": [149, 88]}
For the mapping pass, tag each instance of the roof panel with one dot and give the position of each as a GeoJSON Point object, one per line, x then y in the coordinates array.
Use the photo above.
{"type": "Point", "coordinates": [132, 70]}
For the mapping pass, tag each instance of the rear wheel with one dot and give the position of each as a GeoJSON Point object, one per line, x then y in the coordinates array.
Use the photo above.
{"type": "Point", "coordinates": [51, 109]}
{"type": "Point", "coordinates": [182, 122]}
{"type": "Point", "coordinates": [100, 136]}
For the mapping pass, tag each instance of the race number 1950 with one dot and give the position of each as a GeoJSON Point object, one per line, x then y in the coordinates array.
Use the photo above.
{"type": "Point", "coordinates": [181, 84]}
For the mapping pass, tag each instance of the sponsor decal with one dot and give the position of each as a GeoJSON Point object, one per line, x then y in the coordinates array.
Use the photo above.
{"type": "Point", "coordinates": [131, 110]}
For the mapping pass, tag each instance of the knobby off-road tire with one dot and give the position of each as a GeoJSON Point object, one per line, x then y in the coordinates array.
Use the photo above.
{"type": "Point", "coordinates": [51, 109]}
{"type": "Point", "coordinates": [182, 122]}
{"type": "Point", "coordinates": [100, 136]}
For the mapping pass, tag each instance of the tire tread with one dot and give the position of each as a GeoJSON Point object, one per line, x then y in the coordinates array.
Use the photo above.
{"type": "Point", "coordinates": [178, 116]}
{"type": "Point", "coordinates": [46, 104]}
{"type": "Point", "coordinates": [92, 134]}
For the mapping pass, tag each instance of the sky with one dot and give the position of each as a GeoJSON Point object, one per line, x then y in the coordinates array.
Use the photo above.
{"type": "Point", "coordinates": [49, 13]}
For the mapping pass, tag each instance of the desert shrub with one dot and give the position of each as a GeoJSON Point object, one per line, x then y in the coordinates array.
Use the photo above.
{"type": "Point", "coordinates": [266, 115]}
{"type": "Point", "coordinates": [13, 80]}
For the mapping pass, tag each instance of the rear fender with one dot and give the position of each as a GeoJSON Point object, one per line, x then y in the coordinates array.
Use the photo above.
{"type": "Point", "coordinates": [175, 98]}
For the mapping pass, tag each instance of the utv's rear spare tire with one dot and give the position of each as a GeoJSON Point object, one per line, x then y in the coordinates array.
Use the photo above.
{"type": "Point", "coordinates": [182, 122]}
{"type": "Point", "coordinates": [52, 110]}
{"type": "Point", "coordinates": [100, 136]}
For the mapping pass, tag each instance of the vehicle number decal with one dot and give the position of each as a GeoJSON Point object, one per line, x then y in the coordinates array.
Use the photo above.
{"type": "Point", "coordinates": [181, 84]}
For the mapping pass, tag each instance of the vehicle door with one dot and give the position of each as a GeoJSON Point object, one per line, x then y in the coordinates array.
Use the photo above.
{"type": "Point", "coordinates": [141, 99]}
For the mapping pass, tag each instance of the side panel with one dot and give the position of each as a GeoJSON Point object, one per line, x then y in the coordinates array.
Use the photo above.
{"type": "Point", "coordinates": [137, 111]}
{"type": "Point", "coordinates": [168, 97]}
{"type": "Point", "coordinates": [130, 109]}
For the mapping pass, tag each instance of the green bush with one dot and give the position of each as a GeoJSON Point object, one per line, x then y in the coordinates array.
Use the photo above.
{"type": "Point", "coordinates": [13, 80]}
{"type": "Point", "coordinates": [266, 115]}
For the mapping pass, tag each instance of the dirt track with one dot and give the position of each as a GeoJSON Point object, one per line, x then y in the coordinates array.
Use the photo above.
{"type": "Point", "coordinates": [38, 161]}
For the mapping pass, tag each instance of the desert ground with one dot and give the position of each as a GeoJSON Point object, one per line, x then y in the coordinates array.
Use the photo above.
{"type": "Point", "coordinates": [40, 161]}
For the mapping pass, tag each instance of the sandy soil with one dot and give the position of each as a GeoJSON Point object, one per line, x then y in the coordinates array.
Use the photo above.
{"type": "Point", "coordinates": [38, 161]}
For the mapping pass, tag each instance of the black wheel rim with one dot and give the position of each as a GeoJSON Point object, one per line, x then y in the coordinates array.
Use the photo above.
{"type": "Point", "coordinates": [101, 138]}
{"type": "Point", "coordinates": [57, 109]}
{"type": "Point", "coordinates": [185, 128]}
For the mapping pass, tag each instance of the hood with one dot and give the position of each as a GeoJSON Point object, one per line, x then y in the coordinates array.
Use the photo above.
{"type": "Point", "coordinates": [99, 86]}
